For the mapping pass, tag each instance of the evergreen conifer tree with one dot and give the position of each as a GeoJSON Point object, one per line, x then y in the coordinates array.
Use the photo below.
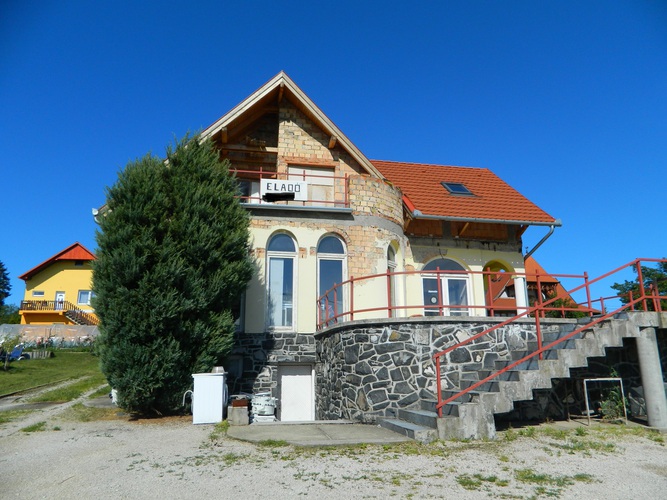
{"type": "Point", "coordinates": [172, 261]}
{"type": "Point", "coordinates": [5, 285]}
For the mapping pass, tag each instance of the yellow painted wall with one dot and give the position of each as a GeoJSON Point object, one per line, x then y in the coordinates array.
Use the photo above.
{"type": "Point", "coordinates": [61, 276]}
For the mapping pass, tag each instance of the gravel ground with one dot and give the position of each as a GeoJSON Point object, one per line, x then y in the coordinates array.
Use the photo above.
{"type": "Point", "coordinates": [171, 458]}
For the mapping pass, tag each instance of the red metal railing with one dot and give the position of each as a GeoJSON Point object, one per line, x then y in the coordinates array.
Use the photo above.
{"type": "Point", "coordinates": [384, 304]}
{"type": "Point", "coordinates": [338, 189]}
{"type": "Point", "coordinates": [643, 299]}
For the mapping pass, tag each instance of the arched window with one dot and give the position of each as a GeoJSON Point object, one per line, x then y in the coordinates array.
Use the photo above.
{"type": "Point", "coordinates": [444, 288]}
{"type": "Point", "coordinates": [331, 269]}
{"type": "Point", "coordinates": [281, 259]}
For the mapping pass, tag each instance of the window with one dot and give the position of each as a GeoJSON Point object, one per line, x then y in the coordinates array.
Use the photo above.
{"type": "Point", "coordinates": [281, 257]}
{"type": "Point", "coordinates": [331, 270]}
{"type": "Point", "coordinates": [38, 293]}
{"type": "Point", "coordinates": [445, 289]}
{"type": "Point", "coordinates": [457, 188]}
{"type": "Point", "coordinates": [84, 297]}
{"type": "Point", "coordinates": [320, 181]}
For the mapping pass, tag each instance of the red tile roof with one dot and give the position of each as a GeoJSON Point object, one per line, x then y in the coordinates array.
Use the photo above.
{"type": "Point", "coordinates": [493, 198]}
{"type": "Point", "coordinates": [73, 252]}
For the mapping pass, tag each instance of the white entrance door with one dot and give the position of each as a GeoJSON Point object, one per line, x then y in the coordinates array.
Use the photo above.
{"type": "Point", "coordinates": [297, 398]}
{"type": "Point", "coordinates": [60, 301]}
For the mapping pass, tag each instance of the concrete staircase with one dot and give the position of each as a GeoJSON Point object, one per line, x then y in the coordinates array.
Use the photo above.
{"type": "Point", "coordinates": [471, 416]}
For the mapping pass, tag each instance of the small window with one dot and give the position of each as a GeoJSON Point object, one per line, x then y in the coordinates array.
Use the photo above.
{"type": "Point", "coordinates": [78, 263]}
{"type": "Point", "coordinates": [84, 297]}
{"type": "Point", "coordinates": [456, 188]}
{"type": "Point", "coordinates": [38, 293]}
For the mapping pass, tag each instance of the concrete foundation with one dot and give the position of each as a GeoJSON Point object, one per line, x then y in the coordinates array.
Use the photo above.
{"type": "Point", "coordinates": [652, 379]}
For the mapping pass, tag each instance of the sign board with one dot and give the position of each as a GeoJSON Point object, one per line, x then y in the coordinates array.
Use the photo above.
{"type": "Point", "coordinates": [278, 187]}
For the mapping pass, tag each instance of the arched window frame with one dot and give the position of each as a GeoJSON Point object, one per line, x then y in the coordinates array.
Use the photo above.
{"type": "Point", "coordinates": [335, 305]}
{"type": "Point", "coordinates": [278, 263]}
{"type": "Point", "coordinates": [452, 288]}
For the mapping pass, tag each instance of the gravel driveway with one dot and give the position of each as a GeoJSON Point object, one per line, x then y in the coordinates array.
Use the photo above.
{"type": "Point", "coordinates": [171, 458]}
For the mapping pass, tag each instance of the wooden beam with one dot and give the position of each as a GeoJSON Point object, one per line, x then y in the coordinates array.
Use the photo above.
{"type": "Point", "coordinates": [463, 229]}
{"type": "Point", "coordinates": [223, 135]}
{"type": "Point", "coordinates": [280, 92]}
{"type": "Point", "coordinates": [332, 141]}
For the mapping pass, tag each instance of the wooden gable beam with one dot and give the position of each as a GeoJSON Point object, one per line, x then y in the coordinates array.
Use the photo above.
{"type": "Point", "coordinates": [332, 141]}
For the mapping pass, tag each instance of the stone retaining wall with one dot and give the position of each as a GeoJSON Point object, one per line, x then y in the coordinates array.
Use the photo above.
{"type": "Point", "coordinates": [368, 370]}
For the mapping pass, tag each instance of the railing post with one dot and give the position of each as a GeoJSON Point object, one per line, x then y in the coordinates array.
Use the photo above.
{"type": "Point", "coordinates": [389, 315]}
{"type": "Point", "coordinates": [438, 385]}
{"type": "Point", "coordinates": [640, 280]}
{"type": "Point", "coordinates": [440, 301]}
{"type": "Point", "coordinates": [588, 294]}
{"type": "Point", "coordinates": [538, 332]}
{"type": "Point", "coordinates": [538, 294]}
{"type": "Point", "coordinates": [335, 305]}
{"type": "Point", "coordinates": [631, 300]}
{"type": "Point", "coordinates": [351, 298]}
{"type": "Point", "coordinates": [489, 295]}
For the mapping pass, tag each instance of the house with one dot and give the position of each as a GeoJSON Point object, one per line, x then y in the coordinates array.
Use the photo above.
{"type": "Point", "coordinates": [337, 237]}
{"type": "Point", "coordinates": [59, 290]}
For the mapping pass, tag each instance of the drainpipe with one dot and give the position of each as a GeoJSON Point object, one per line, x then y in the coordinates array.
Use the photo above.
{"type": "Point", "coordinates": [546, 237]}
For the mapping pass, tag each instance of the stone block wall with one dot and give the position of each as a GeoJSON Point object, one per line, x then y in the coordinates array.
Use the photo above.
{"type": "Point", "coordinates": [261, 354]}
{"type": "Point", "coordinates": [370, 370]}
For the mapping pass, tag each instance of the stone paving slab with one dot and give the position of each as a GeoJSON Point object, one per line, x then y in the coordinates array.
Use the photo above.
{"type": "Point", "coordinates": [317, 433]}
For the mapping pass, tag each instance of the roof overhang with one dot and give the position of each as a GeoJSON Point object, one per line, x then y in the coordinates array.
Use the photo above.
{"type": "Point", "coordinates": [279, 87]}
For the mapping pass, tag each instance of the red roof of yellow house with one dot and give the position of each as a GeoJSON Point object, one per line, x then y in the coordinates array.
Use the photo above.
{"type": "Point", "coordinates": [489, 198]}
{"type": "Point", "coordinates": [73, 252]}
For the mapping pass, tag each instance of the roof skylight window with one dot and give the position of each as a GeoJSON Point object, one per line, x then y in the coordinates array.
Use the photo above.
{"type": "Point", "coordinates": [456, 188]}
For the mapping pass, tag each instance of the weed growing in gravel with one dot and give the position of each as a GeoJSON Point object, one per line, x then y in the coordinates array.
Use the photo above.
{"type": "Point", "coordinates": [273, 443]}
{"type": "Point", "coordinates": [11, 415]}
{"type": "Point", "coordinates": [475, 481]}
{"type": "Point", "coordinates": [82, 413]}
{"type": "Point", "coordinates": [38, 427]}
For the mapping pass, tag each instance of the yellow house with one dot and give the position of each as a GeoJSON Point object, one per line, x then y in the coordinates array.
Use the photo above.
{"type": "Point", "coordinates": [59, 290]}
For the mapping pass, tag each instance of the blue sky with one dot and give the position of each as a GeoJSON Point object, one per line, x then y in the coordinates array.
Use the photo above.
{"type": "Point", "coordinates": [563, 100]}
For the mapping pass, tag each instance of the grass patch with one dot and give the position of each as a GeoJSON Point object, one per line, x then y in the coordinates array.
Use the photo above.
{"type": "Point", "coordinates": [11, 415]}
{"type": "Point", "coordinates": [38, 427]}
{"type": "Point", "coordinates": [475, 481]}
{"type": "Point", "coordinates": [273, 443]}
{"type": "Point", "coordinates": [71, 391]}
{"type": "Point", "coordinates": [81, 413]}
{"type": "Point", "coordinates": [33, 373]}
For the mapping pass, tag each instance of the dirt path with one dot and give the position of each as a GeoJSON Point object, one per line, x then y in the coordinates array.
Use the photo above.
{"type": "Point", "coordinates": [171, 458]}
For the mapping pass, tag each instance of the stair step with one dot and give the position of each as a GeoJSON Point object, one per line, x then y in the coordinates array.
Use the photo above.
{"type": "Point", "coordinates": [413, 431]}
{"type": "Point", "coordinates": [424, 418]}
{"type": "Point", "coordinates": [491, 386]}
{"type": "Point", "coordinates": [530, 364]}
{"type": "Point", "coordinates": [468, 397]}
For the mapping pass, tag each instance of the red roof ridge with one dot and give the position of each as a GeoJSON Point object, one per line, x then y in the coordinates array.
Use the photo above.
{"type": "Point", "coordinates": [75, 251]}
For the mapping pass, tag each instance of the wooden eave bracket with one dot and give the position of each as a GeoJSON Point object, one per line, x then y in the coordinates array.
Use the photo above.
{"type": "Point", "coordinates": [521, 230]}
{"type": "Point", "coordinates": [223, 135]}
{"type": "Point", "coordinates": [281, 92]}
{"type": "Point", "coordinates": [463, 229]}
{"type": "Point", "coordinates": [332, 141]}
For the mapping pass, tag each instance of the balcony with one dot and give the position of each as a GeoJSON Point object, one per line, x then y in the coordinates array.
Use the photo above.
{"type": "Point", "coordinates": [48, 309]}
{"type": "Point", "coordinates": [299, 186]}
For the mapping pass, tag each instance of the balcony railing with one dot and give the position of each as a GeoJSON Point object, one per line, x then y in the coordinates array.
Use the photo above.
{"type": "Point", "coordinates": [68, 309]}
{"type": "Point", "coordinates": [377, 297]}
{"type": "Point", "coordinates": [293, 188]}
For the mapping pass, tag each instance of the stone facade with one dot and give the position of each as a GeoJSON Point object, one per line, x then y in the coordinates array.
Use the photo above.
{"type": "Point", "coordinates": [370, 369]}
{"type": "Point", "coordinates": [262, 353]}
